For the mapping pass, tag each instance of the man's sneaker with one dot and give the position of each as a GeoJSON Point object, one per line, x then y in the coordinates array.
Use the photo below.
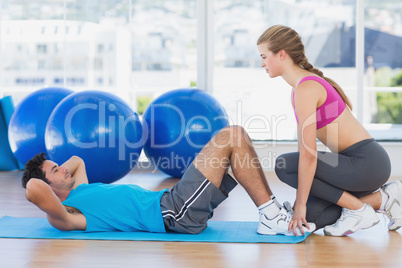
{"type": "Point", "coordinates": [393, 206]}
{"type": "Point", "coordinates": [352, 220]}
{"type": "Point", "coordinates": [288, 207]}
{"type": "Point", "coordinates": [279, 224]}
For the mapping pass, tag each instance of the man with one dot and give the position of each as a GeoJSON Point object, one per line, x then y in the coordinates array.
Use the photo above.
{"type": "Point", "coordinates": [70, 203]}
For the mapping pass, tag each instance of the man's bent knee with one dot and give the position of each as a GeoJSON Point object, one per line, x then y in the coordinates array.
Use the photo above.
{"type": "Point", "coordinates": [234, 129]}
{"type": "Point", "coordinates": [232, 132]}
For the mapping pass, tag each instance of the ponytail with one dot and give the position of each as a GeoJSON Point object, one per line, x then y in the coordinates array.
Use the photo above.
{"type": "Point", "coordinates": [309, 67]}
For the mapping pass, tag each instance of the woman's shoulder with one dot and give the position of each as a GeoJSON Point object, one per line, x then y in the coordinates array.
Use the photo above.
{"type": "Point", "coordinates": [313, 80]}
{"type": "Point", "coordinates": [309, 87]}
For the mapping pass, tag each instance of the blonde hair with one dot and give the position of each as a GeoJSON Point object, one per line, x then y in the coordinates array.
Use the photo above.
{"type": "Point", "coordinates": [279, 37]}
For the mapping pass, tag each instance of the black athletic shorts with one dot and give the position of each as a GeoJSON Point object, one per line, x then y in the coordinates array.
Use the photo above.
{"type": "Point", "coordinates": [188, 205]}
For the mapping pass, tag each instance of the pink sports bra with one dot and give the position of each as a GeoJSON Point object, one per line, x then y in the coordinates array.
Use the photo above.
{"type": "Point", "coordinates": [330, 109]}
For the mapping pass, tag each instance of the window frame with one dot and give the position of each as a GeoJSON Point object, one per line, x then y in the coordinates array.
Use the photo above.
{"type": "Point", "coordinates": [205, 56]}
{"type": "Point", "coordinates": [205, 68]}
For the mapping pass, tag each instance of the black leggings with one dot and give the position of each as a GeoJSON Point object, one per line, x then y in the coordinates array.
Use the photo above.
{"type": "Point", "coordinates": [360, 170]}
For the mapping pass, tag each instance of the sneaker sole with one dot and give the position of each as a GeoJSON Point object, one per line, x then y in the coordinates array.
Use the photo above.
{"type": "Point", "coordinates": [395, 226]}
{"type": "Point", "coordinates": [292, 234]}
{"type": "Point", "coordinates": [351, 231]}
{"type": "Point", "coordinates": [312, 229]}
{"type": "Point", "coordinates": [267, 232]}
{"type": "Point", "coordinates": [285, 234]}
{"type": "Point", "coordinates": [394, 229]}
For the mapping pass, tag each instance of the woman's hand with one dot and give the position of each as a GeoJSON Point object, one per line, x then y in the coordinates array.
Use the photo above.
{"type": "Point", "coordinates": [299, 218]}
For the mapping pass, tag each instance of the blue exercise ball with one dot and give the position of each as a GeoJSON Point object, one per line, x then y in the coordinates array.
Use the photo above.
{"type": "Point", "coordinates": [177, 125]}
{"type": "Point", "coordinates": [26, 132]}
{"type": "Point", "coordinates": [99, 127]}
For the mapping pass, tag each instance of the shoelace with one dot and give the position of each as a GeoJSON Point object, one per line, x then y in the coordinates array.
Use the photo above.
{"type": "Point", "coordinates": [388, 213]}
{"type": "Point", "coordinates": [285, 216]}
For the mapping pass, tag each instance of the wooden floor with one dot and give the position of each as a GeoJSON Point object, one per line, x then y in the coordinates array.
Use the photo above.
{"type": "Point", "coordinates": [375, 247]}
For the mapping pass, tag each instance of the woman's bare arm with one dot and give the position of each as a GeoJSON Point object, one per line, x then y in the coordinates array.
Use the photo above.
{"type": "Point", "coordinates": [306, 98]}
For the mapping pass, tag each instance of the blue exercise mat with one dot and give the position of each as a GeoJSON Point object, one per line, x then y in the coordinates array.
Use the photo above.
{"type": "Point", "coordinates": [7, 158]}
{"type": "Point", "coordinates": [216, 232]}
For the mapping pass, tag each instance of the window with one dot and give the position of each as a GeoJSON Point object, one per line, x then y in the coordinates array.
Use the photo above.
{"type": "Point", "coordinates": [163, 48]}
{"type": "Point", "coordinates": [98, 64]}
{"type": "Point", "coordinates": [41, 49]}
{"type": "Point", "coordinates": [25, 46]}
{"type": "Point", "coordinates": [147, 47]}
{"type": "Point", "coordinates": [41, 65]}
{"type": "Point", "coordinates": [251, 98]}
{"type": "Point", "coordinates": [383, 64]}
{"type": "Point", "coordinates": [100, 48]}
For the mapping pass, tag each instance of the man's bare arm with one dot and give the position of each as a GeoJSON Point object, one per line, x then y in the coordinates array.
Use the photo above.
{"type": "Point", "coordinates": [40, 193]}
{"type": "Point", "coordinates": [76, 166]}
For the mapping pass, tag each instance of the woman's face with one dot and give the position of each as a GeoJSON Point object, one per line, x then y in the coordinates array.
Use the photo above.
{"type": "Point", "coordinates": [269, 61]}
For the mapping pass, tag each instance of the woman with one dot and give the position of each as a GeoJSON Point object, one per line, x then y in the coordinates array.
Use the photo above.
{"type": "Point", "coordinates": [334, 190]}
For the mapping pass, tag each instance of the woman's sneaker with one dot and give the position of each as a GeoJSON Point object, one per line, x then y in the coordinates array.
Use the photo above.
{"type": "Point", "coordinates": [279, 224]}
{"type": "Point", "coordinates": [393, 206]}
{"type": "Point", "coordinates": [352, 220]}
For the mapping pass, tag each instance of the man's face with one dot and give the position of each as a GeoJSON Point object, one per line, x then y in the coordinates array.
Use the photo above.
{"type": "Point", "coordinates": [59, 177]}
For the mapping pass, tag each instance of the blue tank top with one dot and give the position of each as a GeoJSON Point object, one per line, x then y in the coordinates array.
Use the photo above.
{"type": "Point", "coordinates": [118, 207]}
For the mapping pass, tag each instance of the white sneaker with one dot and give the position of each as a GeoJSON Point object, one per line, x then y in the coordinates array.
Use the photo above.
{"type": "Point", "coordinates": [279, 224]}
{"type": "Point", "coordinates": [352, 220]}
{"type": "Point", "coordinates": [393, 207]}
{"type": "Point", "coordinates": [288, 207]}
